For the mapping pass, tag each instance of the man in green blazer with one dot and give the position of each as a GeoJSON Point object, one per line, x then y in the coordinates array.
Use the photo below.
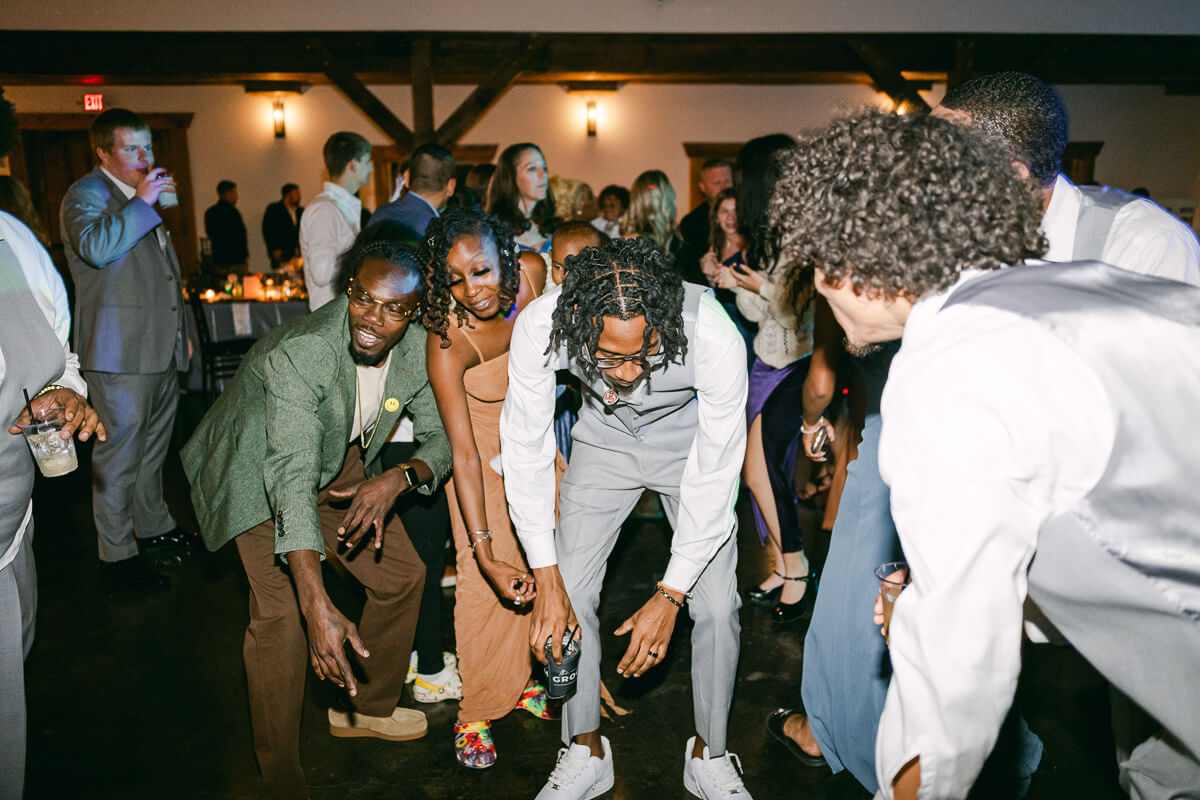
{"type": "Point", "coordinates": [299, 430]}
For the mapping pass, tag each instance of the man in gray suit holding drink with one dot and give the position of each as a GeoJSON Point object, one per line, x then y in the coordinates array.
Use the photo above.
{"type": "Point", "coordinates": [129, 333]}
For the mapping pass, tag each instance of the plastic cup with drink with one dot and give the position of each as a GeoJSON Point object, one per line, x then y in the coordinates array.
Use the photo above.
{"type": "Point", "coordinates": [54, 455]}
{"type": "Point", "coordinates": [893, 576]}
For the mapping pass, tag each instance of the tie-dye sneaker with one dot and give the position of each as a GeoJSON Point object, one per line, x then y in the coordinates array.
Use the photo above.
{"type": "Point", "coordinates": [535, 701]}
{"type": "Point", "coordinates": [473, 745]}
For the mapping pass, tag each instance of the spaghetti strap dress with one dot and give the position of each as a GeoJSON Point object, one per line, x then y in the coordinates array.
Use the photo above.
{"type": "Point", "coordinates": [492, 635]}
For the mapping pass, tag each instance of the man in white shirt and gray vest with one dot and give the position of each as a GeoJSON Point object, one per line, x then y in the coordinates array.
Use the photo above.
{"type": "Point", "coordinates": [1074, 489]}
{"type": "Point", "coordinates": [663, 372]}
{"type": "Point", "coordinates": [1028, 118]}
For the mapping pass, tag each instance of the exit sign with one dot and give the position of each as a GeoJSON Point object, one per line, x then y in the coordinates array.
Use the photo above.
{"type": "Point", "coordinates": [93, 102]}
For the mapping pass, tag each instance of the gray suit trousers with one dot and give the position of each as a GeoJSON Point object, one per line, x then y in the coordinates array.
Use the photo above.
{"type": "Point", "coordinates": [138, 412]}
{"type": "Point", "coordinates": [18, 607]}
{"type": "Point", "coordinates": [1148, 649]}
{"type": "Point", "coordinates": [597, 493]}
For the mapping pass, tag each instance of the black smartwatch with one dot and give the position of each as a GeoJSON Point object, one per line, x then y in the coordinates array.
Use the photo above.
{"type": "Point", "coordinates": [410, 474]}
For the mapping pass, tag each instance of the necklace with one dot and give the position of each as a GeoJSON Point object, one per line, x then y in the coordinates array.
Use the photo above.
{"type": "Point", "coordinates": [361, 422]}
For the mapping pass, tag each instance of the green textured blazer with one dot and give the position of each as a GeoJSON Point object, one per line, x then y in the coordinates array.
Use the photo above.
{"type": "Point", "coordinates": [279, 432]}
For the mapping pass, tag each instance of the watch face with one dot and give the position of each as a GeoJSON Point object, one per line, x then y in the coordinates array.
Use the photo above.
{"type": "Point", "coordinates": [411, 474]}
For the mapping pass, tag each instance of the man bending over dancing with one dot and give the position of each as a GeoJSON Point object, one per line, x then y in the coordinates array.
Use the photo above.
{"type": "Point", "coordinates": [663, 372]}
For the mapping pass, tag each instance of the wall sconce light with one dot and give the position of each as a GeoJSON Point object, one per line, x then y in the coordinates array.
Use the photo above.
{"type": "Point", "coordinates": [277, 117]}
{"type": "Point", "coordinates": [592, 115]}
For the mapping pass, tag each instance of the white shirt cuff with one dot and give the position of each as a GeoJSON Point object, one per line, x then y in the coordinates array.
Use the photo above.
{"type": "Point", "coordinates": [682, 573]}
{"type": "Point", "coordinates": [539, 549]}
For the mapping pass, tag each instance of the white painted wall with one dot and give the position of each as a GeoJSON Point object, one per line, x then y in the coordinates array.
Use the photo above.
{"type": "Point", "coordinates": [1150, 139]}
{"type": "Point", "coordinates": [1177, 17]}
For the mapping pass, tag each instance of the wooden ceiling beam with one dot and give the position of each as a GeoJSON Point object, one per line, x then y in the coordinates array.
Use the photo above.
{"type": "Point", "coordinates": [422, 91]}
{"type": "Point", "coordinates": [357, 93]}
{"type": "Point", "coordinates": [887, 77]}
{"type": "Point", "coordinates": [485, 96]}
{"type": "Point", "coordinates": [99, 58]}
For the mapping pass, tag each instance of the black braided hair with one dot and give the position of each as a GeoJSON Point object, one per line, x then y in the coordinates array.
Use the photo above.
{"type": "Point", "coordinates": [389, 241]}
{"type": "Point", "coordinates": [440, 236]}
{"type": "Point", "coordinates": [626, 278]}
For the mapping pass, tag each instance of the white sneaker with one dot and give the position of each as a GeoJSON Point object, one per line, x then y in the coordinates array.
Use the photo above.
{"type": "Point", "coordinates": [448, 660]}
{"type": "Point", "coordinates": [713, 778]}
{"type": "Point", "coordinates": [444, 685]}
{"type": "Point", "coordinates": [579, 775]}
{"type": "Point", "coordinates": [412, 668]}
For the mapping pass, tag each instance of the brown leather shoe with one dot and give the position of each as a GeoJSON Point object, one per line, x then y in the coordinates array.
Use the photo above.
{"type": "Point", "coordinates": [405, 724]}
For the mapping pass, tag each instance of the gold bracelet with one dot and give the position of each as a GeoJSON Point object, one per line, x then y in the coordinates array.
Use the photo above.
{"type": "Point", "coordinates": [50, 388]}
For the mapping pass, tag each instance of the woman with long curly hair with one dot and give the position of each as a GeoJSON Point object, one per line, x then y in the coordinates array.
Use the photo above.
{"type": "Point", "coordinates": [478, 284]}
{"type": "Point", "coordinates": [520, 196]}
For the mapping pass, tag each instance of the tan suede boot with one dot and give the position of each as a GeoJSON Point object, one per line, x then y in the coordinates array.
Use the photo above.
{"type": "Point", "coordinates": [403, 725]}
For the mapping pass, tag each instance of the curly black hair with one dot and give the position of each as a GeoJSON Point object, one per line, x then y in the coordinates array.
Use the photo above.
{"type": "Point", "coordinates": [902, 205]}
{"type": "Point", "coordinates": [1025, 114]}
{"type": "Point", "coordinates": [390, 241]}
{"type": "Point", "coordinates": [440, 236]}
{"type": "Point", "coordinates": [626, 278]}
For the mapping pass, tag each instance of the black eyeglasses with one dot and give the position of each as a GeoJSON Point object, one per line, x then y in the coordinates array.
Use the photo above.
{"type": "Point", "coordinates": [648, 361]}
{"type": "Point", "coordinates": [392, 311]}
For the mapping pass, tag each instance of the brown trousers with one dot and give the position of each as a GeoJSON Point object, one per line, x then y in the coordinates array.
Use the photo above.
{"type": "Point", "coordinates": [276, 650]}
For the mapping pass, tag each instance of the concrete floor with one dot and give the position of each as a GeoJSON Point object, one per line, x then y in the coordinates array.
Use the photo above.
{"type": "Point", "coordinates": [145, 696]}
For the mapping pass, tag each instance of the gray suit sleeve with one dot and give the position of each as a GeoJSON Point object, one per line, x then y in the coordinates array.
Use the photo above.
{"type": "Point", "coordinates": [98, 235]}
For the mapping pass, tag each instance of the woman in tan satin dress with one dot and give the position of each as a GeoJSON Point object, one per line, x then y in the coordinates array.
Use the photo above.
{"type": "Point", "coordinates": [477, 285]}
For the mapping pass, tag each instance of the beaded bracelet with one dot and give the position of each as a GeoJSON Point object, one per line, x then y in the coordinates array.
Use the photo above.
{"type": "Point", "coordinates": [663, 591]}
{"type": "Point", "coordinates": [52, 387]}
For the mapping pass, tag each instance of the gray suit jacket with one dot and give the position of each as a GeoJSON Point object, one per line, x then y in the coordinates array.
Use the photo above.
{"type": "Point", "coordinates": [128, 298]}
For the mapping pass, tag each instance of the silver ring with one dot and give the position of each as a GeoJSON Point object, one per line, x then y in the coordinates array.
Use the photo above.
{"type": "Point", "coordinates": [517, 601]}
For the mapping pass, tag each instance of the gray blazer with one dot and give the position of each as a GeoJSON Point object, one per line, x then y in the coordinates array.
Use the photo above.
{"type": "Point", "coordinates": [128, 299]}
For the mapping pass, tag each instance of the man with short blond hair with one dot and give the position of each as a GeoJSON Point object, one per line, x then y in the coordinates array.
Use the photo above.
{"type": "Point", "coordinates": [129, 333]}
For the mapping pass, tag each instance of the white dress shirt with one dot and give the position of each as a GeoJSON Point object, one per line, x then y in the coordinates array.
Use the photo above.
{"type": "Point", "coordinates": [1021, 432]}
{"type": "Point", "coordinates": [327, 230]}
{"type": "Point", "coordinates": [708, 489]}
{"type": "Point", "coordinates": [47, 286]}
{"type": "Point", "coordinates": [1145, 237]}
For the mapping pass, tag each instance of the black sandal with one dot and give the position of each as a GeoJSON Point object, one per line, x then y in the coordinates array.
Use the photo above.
{"type": "Point", "coordinates": [764, 597]}
{"type": "Point", "coordinates": [791, 612]}
{"type": "Point", "coordinates": [775, 727]}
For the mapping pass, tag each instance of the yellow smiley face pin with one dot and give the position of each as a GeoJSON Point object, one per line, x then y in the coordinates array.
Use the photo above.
{"type": "Point", "coordinates": [391, 404]}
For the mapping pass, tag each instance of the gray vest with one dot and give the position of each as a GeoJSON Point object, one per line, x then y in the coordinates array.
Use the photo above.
{"type": "Point", "coordinates": [1097, 210]}
{"type": "Point", "coordinates": [1141, 338]}
{"type": "Point", "coordinates": [664, 416]}
{"type": "Point", "coordinates": [33, 358]}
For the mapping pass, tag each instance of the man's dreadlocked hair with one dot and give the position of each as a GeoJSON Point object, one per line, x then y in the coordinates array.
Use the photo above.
{"type": "Point", "coordinates": [625, 279]}
{"type": "Point", "coordinates": [440, 236]}
{"type": "Point", "coordinates": [389, 241]}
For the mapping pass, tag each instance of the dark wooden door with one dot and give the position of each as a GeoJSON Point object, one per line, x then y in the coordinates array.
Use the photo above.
{"type": "Point", "coordinates": [53, 161]}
